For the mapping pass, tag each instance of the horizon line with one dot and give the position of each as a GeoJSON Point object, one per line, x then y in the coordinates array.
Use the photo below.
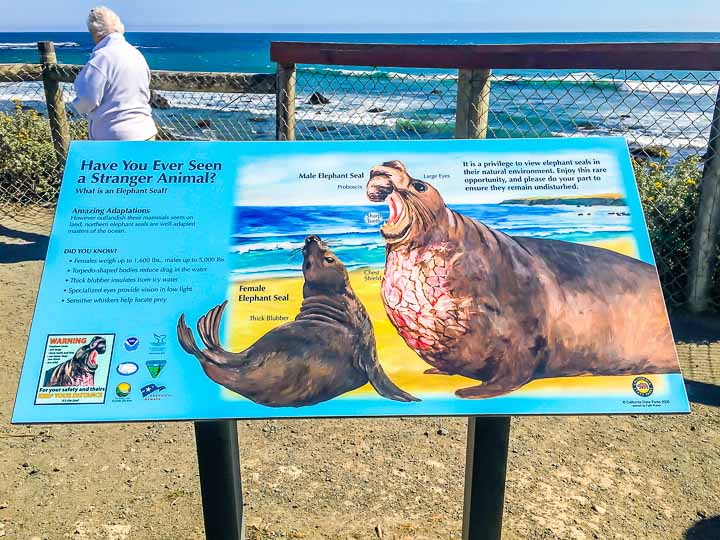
{"type": "Point", "coordinates": [181, 31]}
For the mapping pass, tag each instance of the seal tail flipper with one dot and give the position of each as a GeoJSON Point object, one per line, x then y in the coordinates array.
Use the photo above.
{"type": "Point", "coordinates": [186, 339]}
{"type": "Point", "coordinates": [386, 388]}
{"type": "Point", "coordinates": [208, 327]}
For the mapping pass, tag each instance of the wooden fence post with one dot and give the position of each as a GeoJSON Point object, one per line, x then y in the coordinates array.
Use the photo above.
{"type": "Point", "coordinates": [285, 103]}
{"type": "Point", "coordinates": [59, 129]}
{"type": "Point", "coordinates": [704, 255]}
{"type": "Point", "coordinates": [473, 103]}
{"type": "Point", "coordinates": [487, 437]}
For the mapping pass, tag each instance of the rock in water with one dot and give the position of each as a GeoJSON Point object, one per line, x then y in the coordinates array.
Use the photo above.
{"type": "Point", "coordinates": [166, 135]}
{"type": "Point", "coordinates": [317, 99]}
{"type": "Point", "coordinates": [649, 151]}
{"type": "Point", "coordinates": [376, 110]}
{"type": "Point", "coordinates": [158, 101]}
{"type": "Point", "coordinates": [323, 129]}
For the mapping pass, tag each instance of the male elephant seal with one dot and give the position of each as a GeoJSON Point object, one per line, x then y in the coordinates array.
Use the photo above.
{"type": "Point", "coordinates": [329, 348]}
{"type": "Point", "coordinates": [504, 310]}
{"type": "Point", "coordinates": [80, 369]}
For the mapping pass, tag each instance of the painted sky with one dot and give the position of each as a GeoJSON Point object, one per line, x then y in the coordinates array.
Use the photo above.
{"type": "Point", "coordinates": [374, 16]}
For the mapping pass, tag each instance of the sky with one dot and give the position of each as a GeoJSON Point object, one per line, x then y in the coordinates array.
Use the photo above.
{"type": "Point", "coordinates": [373, 16]}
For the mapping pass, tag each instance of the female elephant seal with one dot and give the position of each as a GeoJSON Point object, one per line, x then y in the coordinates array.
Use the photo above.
{"type": "Point", "coordinates": [329, 348]}
{"type": "Point", "coordinates": [504, 310]}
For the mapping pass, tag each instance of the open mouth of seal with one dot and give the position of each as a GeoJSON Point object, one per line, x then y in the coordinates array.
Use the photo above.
{"type": "Point", "coordinates": [397, 208]}
{"type": "Point", "coordinates": [92, 360]}
{"type": "Point", "coordinates": [398, 222]}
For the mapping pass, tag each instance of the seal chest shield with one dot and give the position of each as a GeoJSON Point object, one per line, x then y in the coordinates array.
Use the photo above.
{"type": "Point", "coordinates": [473, 301]}
{"type": "Point", "coordinates": [328, 350]}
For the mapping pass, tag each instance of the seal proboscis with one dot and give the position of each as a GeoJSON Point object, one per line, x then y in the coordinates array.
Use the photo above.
{"type": "Point", "coordinates": [473, 301]}
{"type": "Point", "coordinates": [329, 348]}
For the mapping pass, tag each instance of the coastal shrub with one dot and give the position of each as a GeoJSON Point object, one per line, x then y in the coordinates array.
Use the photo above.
{"type": "Point", "coordinates": [28, 165]}
{"type": "Point", "coordinates": [670, 193]}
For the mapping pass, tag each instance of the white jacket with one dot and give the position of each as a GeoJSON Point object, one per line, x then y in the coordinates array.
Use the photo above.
{"type": "Point", "coordinates": [114, 89]}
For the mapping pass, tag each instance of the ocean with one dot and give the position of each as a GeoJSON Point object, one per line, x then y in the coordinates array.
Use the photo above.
{"type": "Point", "coordinates": [672, 109]}
{"type": "Point", "coordinates": [251, 52]}
{"type": "Point", "coordinates": [263, 247]}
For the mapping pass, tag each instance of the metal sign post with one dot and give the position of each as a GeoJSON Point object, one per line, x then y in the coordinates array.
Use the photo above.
{"type": "Point", "coordinates": [485, 467]}
{"type": "Point", "coordinates": [220, 484]}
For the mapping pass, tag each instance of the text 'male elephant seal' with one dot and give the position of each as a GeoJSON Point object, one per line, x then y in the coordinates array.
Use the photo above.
{"type": "Point", "coordinates": [329, 348]}
{"type": "Point", "coordinates": [473, 301]}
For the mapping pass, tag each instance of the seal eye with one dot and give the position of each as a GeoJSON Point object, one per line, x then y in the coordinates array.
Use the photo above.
{"type": "Point", "coordinates": [330, 259]}
{"type": "Point", "coordinates": [419, 186]}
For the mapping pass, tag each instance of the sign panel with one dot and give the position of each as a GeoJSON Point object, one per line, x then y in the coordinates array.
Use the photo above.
{"type": "Point", "coordinates": [255, 280]}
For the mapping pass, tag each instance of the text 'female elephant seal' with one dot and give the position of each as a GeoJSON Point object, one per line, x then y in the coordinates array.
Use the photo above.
{"type": "Point", "coordinates": [329, 348]}
{"type": "Point", "coordinates": [504, 310]}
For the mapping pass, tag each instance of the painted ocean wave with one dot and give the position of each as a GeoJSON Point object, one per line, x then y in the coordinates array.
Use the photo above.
{"type": "Point", "coordinates": [334, 241]}
{"type": "Point", "coordinates": [267, 241]}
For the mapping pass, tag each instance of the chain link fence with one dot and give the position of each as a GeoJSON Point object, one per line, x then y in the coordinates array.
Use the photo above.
{"type": "Point", "coordinates": [665, 117]}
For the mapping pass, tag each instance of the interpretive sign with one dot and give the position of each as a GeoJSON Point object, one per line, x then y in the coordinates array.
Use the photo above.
{"type": "Point", "coordinates": [192, 280]}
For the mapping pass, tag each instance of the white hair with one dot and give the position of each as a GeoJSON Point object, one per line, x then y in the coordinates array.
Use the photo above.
{"type": "Point", "coordinates": [103, 21]}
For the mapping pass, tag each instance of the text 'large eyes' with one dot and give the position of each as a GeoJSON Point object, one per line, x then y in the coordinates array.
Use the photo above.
{"type": "Point", "coordinates": [419, 186]}
{"type": "Point", "coordinates": [330, 259]}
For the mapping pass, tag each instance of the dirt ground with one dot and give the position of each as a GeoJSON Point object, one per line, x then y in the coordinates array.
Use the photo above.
{"type": "Point", "coordinates": [568, 478]}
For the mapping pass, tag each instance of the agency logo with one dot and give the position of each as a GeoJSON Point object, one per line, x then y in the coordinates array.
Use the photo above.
{"type": "Point", "coordinates": [127, 368]}
{"type": "Point", "coordinates": [123, 390]}
{"type": "Point", "coordinates": [131, 344]}
{"type": "Point", "coordinates": [158, 343]}
{"type": "Point", "coordinates": [642, 386]}
{"type": "Point", "coordinates": [373, 218]}
{"type": "Point", "coordinates": [151, 390]}
{"type": "Point", "coordinates": [155, 367]}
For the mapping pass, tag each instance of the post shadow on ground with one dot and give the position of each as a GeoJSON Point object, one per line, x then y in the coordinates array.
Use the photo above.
{"type": "Point", "coordinates": [703, 393]}
{"type": "Point", "coordinates": [691, 328]}
{"type": "Point", "coordinates": [34, 248]}
{"type": "Point", "coordinates": [705, 529]}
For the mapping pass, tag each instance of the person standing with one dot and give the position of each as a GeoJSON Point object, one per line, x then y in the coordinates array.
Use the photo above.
{"type": "Point", "coordinates": [113, 88]}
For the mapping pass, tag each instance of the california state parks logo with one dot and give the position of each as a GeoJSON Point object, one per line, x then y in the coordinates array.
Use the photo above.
{"type": "Point", "coordinates": [642, 386]}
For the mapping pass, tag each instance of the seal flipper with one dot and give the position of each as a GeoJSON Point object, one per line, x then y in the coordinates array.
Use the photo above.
{"type": "Point", "coordinates": [386, 388]}
{"type": "Point", "coordinates": [436, 371]}
{"type": "Point", "coordinates": [186, 339]}
{"type": "Point", "coordinates": [382, 383]}
{"type": "Point", "coordinates": [208, 327]}
{"type": "Point", "coordinates": [487, 390]}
